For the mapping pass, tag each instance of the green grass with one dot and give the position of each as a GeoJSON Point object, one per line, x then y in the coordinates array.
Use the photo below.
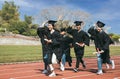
{"type": "Point", "coordinates": [20, 53]}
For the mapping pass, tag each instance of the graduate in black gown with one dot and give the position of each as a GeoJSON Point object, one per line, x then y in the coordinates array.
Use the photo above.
{"type": "Point", "coordinates": [66, 41]}
{"type": "Point", "coordinates": [102, 42]}
{"type": "Point", "coordinates": [43, 34]}
{"type": "Point", "coordinates": [80, 39]}
{"type": "Point", "coordinates": [54, 45]}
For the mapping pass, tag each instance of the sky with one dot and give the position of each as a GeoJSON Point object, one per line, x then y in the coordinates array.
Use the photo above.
{"type": "Point", "coordinates": [106, 11]}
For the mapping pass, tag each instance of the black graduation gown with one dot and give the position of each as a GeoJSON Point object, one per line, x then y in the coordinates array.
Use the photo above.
{"type": "Point", "coordinates": [93, 32]}
{"type": "Point", "coordinates": [55, 45]}
{"type": "Point", "coordinates": [65, 46]}
{"type": "Point", "coordinates": [43, 34]}
{"type": "Point", "coordinates": [79, 37]}
{"type": "Point", "coordinates": [103, 41]}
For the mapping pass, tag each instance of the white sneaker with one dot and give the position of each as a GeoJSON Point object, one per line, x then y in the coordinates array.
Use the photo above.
{"type": "Point", "coordinates": [75, 69]}
{"type": "Point", "coordinates": [52, 74]}
{"type": "Point", "coordinates": [113, 64]}
{"type": "Point", "coordinates": [99, 72]}
{"type": "Point", "coordinates": [44, 71]}
{"type": "Point", "coordinates": [107, 66]}
{"type": "Point", "coordinates": [62, 68]}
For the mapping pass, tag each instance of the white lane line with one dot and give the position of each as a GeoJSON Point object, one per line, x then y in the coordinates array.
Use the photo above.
{"type": "Point", "coordinates": [18, 68]}
{"type": "Point", "coordinates": [116, 78]}
{"type": "Point", "coordinates": [36, 75]}
{"type": "Point", "coordinates": [77, 76]}
{"type": "Point", "coordinates": [17, 72]}
{"type": "Point", "coordinates": [26, 76]}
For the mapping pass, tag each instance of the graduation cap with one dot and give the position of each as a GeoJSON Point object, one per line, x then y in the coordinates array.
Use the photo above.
{"type": "Point", "coordinates": [77, 23]}
{"type": "Point", "coordinates": [100, 24]}
{"type": "Point", "coordinates": [52, 22]}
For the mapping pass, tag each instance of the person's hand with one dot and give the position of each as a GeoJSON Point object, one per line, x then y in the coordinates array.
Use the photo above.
{"type": "Point", "coordinates": [80, 44]}
{"type": "Point", "coordinates": [49, 41]}
{"type": "Point", "coordinates": [62, 33]}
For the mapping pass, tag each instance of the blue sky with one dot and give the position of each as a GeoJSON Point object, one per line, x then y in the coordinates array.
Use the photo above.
{"type": "Point", "coordinates": [106, 11]}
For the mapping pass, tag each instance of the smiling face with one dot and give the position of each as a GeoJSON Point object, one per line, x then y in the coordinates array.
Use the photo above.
{"type": "Point", "coordinates": [98, 28]}
{"type": "Point", "coordinates": [50, 27]}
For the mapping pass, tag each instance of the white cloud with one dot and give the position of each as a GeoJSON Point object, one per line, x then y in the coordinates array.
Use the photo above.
{"type": "Point", "coordinates": [21, 3]}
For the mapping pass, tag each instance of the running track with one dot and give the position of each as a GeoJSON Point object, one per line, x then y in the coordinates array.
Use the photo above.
{"type": "Point", "coordinates": [33, 71]}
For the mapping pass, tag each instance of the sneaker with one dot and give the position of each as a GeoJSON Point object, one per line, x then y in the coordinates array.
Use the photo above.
{"type": "Point", "coordinates": [107, 66]}
{"type": "Point", "coordinates": [44, 71]}
{"type": "Point", "coordinates": [113, 64]}
{"type": "Point", "coordinates": [52, 74]}
{"type": "Point", "coordinates": [99, 72]}
{"type": "Point", "coordinates": [62, 68]}
{"type": "Point", "coordinates": [48, 68]}
{"type": "Point", "coordinates": [75, 69]}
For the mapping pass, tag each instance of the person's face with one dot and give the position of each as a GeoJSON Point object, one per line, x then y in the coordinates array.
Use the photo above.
{"type": "Point", "coordinates": [50, 27]}
{"type": "Point", "coordinates": [98, 29]}
{"type": "Point", "coordinates": [78, 27]}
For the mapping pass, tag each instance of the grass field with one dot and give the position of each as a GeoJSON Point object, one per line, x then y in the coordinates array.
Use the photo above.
{"type": "Point", "coordinates": [18, 53]}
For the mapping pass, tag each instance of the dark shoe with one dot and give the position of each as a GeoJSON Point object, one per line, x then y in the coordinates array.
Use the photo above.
{"type": "Point", "coordinates": [69, 64]}
{"type": "Point", "coordinates": [84, 65]}
{"type": "Point", "coordinates": [44, 71]}
{"type": "Point", "coordinates": [75, 69]}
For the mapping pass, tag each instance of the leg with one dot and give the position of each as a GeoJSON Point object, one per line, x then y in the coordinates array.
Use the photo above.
{"type": "Point", "coordinates": [62, 64]}
{"type": "Point", "coordinates": [45, 71]}
{"type": "Point", "coordinates": [52, 74]}
{"type": "Point", "coordinates": [83, 63]}
{"type": "Point", "coordinates": [68, 57]}
{"type": "Point", "coordinates": [112, 63]}
{"type": "Point", "coordinates": [52, 71]}
{"type": "Point", "coordinates": [77, 63]}
{"type": "Point", "coordinates": [99, 63]}
{"type": "Point", "coordinates": [63, 59]}
{"type": "Point", "coordinates": [108, 59]}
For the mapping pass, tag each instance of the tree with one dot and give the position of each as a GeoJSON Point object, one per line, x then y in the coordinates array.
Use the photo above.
{"type": "Point", "coordinates": [28, 19]}
{"type": "Point", "coordinates": [8, 14]}
{"type": "Point", "coordinates": [9, 11]}
{"type": "Point", "coordinates": [116, 38]}
{"type": "Point", "coordinates": [9, 19]}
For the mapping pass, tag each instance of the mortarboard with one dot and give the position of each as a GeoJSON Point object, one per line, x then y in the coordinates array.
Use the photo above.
{"type": "Point", "coordinates": [100, 24]}
{"type": "Point", "coordinates": [77, 23]}
{"type": "Point", "coordinates": [52, 22]}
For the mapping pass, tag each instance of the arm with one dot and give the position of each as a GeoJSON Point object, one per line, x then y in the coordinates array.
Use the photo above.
{"type": "Point", "coordinates": [86, 39]}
